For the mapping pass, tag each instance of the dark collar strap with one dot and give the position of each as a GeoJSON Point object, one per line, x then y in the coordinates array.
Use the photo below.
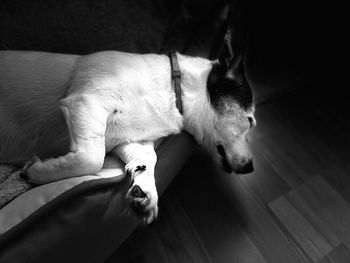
{"type": "Point", "coordinates": [176, 76]}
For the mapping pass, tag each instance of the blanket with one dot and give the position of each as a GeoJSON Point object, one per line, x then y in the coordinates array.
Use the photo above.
{"type": "Point", "coordinates": [11, 184]}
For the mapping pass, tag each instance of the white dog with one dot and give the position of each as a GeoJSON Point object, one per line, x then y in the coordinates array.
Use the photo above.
{"type": "Point", "coordinates": [71, 110]}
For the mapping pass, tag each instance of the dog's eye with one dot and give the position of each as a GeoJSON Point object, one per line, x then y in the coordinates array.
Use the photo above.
{"type": "Point", "coordinates": [251, 121]}
{"type": "Point", "coordinates": [221, 150]}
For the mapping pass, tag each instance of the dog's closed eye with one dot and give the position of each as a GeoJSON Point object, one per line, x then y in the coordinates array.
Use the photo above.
{"type": "Point", "coordinates": [221, 150]}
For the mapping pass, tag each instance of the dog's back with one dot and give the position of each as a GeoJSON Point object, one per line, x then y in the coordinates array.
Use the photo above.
{"type": "Point", "coordinates": [38, 80]}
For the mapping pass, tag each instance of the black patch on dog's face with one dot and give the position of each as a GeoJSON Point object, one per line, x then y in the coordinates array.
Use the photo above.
{"type": "Point", "coordinates": [220, 86]}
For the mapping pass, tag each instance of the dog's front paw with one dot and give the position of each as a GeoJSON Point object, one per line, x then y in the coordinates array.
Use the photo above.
{"type": "Point", "coordinates": [143, 203]}
{"type": "Point", "coordinates": [143, 197]}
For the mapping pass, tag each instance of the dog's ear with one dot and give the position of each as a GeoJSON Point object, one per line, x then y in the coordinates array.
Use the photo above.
{"type": "Point", "coordinates": [226, 54]}
{"type": "Point", "coordinates": [231, 60]}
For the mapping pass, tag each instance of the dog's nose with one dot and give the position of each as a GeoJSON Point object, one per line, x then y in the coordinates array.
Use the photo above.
{"type": "Point", "coordinates": [248, 168]}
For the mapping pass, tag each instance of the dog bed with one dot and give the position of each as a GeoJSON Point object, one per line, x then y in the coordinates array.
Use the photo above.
{"type": "Point", "coordinates": [11, 185]}
{"type": "Point", "coordinates": [80, 219]}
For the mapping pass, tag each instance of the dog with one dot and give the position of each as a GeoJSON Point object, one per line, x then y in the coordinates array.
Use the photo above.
{"type": "Point", "coordinates": [69, 111]}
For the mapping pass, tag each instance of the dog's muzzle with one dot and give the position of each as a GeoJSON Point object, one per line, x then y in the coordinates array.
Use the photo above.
{"type": "Point", "coordinates": [247, 168]}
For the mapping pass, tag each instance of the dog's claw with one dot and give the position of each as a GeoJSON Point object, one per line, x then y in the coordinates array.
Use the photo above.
{"type": "Point", "coordinates": [140, 168]}
{"type": "Point", "coordinates": [128, 173]}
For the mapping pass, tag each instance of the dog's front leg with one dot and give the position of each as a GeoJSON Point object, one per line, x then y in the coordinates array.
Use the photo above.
{"type": "Point", "coordinates": [140, 159]}
{"type": "Point", "coordinates": [86, 120]}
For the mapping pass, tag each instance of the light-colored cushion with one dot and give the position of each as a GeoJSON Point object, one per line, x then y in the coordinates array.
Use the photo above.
{"type": "Point", "coordinates": [28, 202]}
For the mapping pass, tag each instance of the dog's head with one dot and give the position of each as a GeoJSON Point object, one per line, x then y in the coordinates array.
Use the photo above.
{"type": "Point", "coordinates": [232, 101]}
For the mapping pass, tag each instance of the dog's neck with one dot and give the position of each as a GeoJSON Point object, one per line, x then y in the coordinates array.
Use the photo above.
{"type": "Point", "coordinates": [198, 114]}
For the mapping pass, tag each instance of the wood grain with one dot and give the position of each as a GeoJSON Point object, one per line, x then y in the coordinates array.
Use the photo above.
{"type": "Point", "coordinates": [312, 242]}
{"type": "Point", "coordinates": [341, 254]}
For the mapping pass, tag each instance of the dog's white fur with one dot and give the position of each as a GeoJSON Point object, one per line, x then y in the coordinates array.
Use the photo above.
{"type": "Point", "coordinates": [77, 108]}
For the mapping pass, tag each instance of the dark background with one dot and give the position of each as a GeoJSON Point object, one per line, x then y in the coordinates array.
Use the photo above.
{"type": "Point", "coordinates": [292, 44]}
{"type": "Point", "coordinates": [300, 43]}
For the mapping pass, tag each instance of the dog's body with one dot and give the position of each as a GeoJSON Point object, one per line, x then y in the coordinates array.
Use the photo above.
{"type": "Point", "coordinates": [134, 91]}
{"type": "Point", "coordinates": [70, 110]}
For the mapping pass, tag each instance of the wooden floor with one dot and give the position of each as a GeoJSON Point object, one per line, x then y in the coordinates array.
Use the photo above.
{"type": "Point", "coordinates": [294, 208]}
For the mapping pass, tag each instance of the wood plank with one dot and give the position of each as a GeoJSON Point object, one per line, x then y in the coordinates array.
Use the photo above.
{"type": "Point", "coordinates": [290, 143]}
{"type": "Point", "coordinates": [264, 181]}
{"type": "Point", "coordinates": [188, 238]}
{"type": "Point", "coordinates": [321, 227]}
{"type": "Point", "coordinates": [341, 254]}
{"type": "Point", "coordinates": [331, 116]}
{"type": "Point", "coordinates": [274, 244]}
{"type": "Point", "coordinates": [327, 128]}
{"type": "Point", "coordinates": [153, 250]}
{"type": "Point", "coordinates": [304, 130]}
{"type": "Point", "coordinates": [298, 151]}
{"type": "Point", "coordinates": [172, 239]}
{"type": "Point", "coordinates": [337, 206]}
{"type": "Point", "coordinates": [318, 137]}
{"type": "Point", "coordinates": [209, 212]}
{"type": "Point", "coordinates": [313, 243]}
{"type": "Point", "coordinates": [338, 177]}
{"type": "Point", "coordinates": [275, 154]}
{"type": "Point", "coordinates": [329, 206]}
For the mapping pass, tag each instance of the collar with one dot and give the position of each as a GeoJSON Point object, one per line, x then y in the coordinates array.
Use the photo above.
{"type": "Point", "coordinates": [176, 76]}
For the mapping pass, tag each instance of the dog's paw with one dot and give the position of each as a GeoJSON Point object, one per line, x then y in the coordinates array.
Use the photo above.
{"type": "Point", "coordinates": [143, 197]}
{"type": "Point", "coordinates": [143, 203]}
{"type": "Point", "coordinates": [32, 171]}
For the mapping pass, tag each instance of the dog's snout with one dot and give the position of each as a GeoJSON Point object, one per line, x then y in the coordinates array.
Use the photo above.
{"type": "Point", "coordinates": [247, 168]}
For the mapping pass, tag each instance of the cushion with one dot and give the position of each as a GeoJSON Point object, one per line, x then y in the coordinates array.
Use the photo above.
{"type": "Point", "coordinates": [89, 220]}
